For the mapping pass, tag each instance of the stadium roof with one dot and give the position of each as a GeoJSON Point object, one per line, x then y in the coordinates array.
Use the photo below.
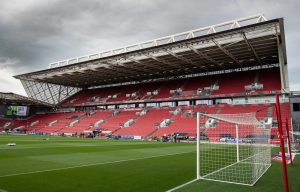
{"type": "Point", "coordinates": [15, 98]}
{"type": "Point", "coordinates": [241, 43]}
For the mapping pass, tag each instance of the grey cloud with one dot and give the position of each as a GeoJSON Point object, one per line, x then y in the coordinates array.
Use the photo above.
{"type": "Point", "coordinates": [36, 33]}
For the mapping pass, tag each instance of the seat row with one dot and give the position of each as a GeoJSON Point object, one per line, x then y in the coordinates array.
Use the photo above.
{"type": "Point", "coordinates": [147, 122]}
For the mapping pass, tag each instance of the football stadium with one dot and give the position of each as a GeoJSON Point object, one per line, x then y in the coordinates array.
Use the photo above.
{"type": "Point", "coordinates": [208, 109]}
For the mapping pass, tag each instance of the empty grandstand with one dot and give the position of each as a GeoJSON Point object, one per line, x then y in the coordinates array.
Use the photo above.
{"type": "Point", "coordinates": [154, 88]}
{"type": "Point", "coordinates": [16, 109]}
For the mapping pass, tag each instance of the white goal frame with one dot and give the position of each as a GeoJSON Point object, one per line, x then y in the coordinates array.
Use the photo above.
{"type": "Point", "coordinates": [238, 160]}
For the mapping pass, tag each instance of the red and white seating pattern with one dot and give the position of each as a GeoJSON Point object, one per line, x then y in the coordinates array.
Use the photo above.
{"type": "Point", "coordinates": [270, 78]}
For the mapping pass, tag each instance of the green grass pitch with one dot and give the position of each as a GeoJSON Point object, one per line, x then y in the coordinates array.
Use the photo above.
{"type": "Point", "coordinates": [71, 164]}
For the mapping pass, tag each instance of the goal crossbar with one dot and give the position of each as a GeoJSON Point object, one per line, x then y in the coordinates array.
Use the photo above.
{"type": "Point", "coordinates": [250, 118]}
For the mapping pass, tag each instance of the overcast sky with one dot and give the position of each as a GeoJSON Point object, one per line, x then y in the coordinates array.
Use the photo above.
{"type": "Point", "coordinates": [34, 33]}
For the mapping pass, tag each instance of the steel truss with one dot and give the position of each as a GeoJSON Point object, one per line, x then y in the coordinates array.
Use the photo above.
{"type": "Point", "coordinates": [165, 40]}
{"type": "Point", "coordinates": [47, 92]}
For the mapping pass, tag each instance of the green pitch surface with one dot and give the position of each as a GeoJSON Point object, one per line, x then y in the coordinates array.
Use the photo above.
{"type": "Point", "coordinates": [70, 164]}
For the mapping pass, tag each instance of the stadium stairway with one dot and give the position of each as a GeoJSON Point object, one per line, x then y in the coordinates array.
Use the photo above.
{"type": "Point", "coordinates": [46, 119]}
{"type": "Point", "coordinates": [184, 122]}
{"type": "Point", "coordinates": [145, 124]}
{"type": "Point", "coordinates": [86, 121]}
{"type": "Point", "coordinates": [6, 123]}
{"type": "Point", "coordinates": [116, 122]}
{"type": "Point", "coordinates": [171, 118]}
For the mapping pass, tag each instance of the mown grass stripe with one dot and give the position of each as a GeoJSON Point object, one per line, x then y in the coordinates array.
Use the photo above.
{"type": "Point", "coordinates": [93, 164]}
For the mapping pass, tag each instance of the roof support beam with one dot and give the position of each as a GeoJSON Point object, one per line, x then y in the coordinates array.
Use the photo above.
{"type": "Point", "coordinates": [115, 67]}
{"type": "Point", "coordinates": [132, 69]}
{"type": "Point", "coordinates": [227, 52]}
{"type": "Point", "coordinates": [142, 64]}
{"type": "Point", "coordinates": [188, 61]}
{"type": "Point", "coordinates": [161, 61]}
{"type": "Point", "coordinates": [59, 94]}
{"type": "Point", "coordinates": [50, 93]}
{"type": "Point", "coordinates": [203, 55]}
{"type": "Point", "coordinates": [252, 48]}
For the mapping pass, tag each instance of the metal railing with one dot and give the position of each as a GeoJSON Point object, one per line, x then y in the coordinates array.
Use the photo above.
{"type": "Point", "coordinates": [165, 40]}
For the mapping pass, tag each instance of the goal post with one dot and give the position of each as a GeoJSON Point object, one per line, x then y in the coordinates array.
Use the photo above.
{"type": "Point", "coordinates": [232, 148]}
{"type": "Point", "coordinates": [237, 143]}
{"type": "Point", "coordinates": [198, 147]}
{"type": "Point", "coordinates": [288, 140]}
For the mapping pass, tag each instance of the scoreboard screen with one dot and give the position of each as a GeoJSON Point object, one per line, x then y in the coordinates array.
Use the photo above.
{"type": "Point", "coordinates": [14, 110]}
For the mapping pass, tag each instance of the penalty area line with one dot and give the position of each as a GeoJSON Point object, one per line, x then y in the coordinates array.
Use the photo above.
{"type": "Point", "coordinates": [93, 164]}
{"type": "Point", "coordinates": [180, 186]}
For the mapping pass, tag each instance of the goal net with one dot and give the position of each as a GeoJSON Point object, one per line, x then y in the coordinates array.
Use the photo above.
{"type": "Point", "coordinates": [232, 148]}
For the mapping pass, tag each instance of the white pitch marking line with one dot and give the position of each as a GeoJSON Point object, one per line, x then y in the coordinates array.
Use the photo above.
{"type": "Point", "coordinates": [62, 146]}
{"type": "Point", "coordinates": [192, 181]}
{"type": "Point", "coordinates": [2, 190]}
{"type": "Point", "coordinates": [93, 164]}
{"type": "Point", "coordinates": [180, 186]}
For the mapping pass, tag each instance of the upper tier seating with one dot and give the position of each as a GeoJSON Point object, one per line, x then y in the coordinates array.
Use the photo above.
{"type": "Point", "coordinates": [225, 82]}
{"type": "Point", "coordinates": [270, 78]}
{"type": "Point", "coordinates": [167, 86]}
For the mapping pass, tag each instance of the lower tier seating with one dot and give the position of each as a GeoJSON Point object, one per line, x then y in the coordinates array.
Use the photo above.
{"type": "Point", "coordinates": [149, 124]}
{"type": "Point", "coordinates": [146, 124]}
